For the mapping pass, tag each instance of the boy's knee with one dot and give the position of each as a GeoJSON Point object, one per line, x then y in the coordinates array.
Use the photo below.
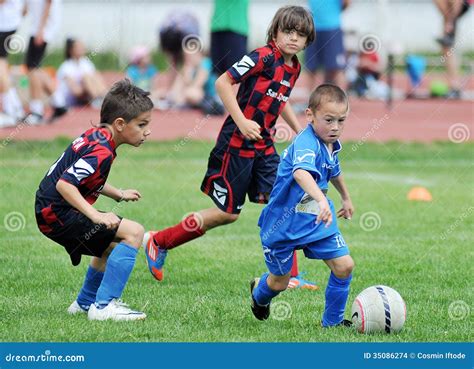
{"type": "Point", "coordinates": [344, 270]}
{"type": "Point", "coordinates": [231, 218]}
{"type": "Point", "coordinates": [226, 218]}
{"type": "Point", "coordinates": [134, 235]}
{"type": "Point", "coordinates": [215, 217]}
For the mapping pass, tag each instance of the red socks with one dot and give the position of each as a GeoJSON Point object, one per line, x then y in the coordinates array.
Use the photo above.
{"type": "Point", "coordinates": [186, 230]}
{"type": "Point", "coordinates": [189, 229]}
{"type": "Point", "coordinates": [294, 267]}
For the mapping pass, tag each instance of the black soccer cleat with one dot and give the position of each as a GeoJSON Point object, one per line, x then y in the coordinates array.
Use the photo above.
{"type": "Point", "coordinates": [345, 323]}
{"type": "Point", "coordinates": [261, 312]}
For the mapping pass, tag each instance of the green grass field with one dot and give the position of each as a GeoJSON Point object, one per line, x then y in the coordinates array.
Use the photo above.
{"type": "Point", "coordinates": [420, 249]}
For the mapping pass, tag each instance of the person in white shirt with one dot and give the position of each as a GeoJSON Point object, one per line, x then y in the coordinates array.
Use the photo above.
{"type": "Point", "coordinates": [78, 82]}
{"type": "Point", "coordinates": [11, 13]}
{"type": "Point", "coordinates": [45, 18]}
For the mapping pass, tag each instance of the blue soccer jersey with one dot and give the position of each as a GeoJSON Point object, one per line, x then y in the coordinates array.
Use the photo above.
{"type": "Point", "coordinates": [289, 218]}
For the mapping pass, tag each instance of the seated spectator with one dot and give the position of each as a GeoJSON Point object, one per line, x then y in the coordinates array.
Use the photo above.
{"type": "Point", "coordinates": [193, 86]}
{"type": "Point", "coordinates": [368, 83]}
{"type": "Point", "coordinates": [78, 82]}
{"type": "Point", "coordinates": [140, 70]}
{"type": "Point", "coordinates": [190, 81]}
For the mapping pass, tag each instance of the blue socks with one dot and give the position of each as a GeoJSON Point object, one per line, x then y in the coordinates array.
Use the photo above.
{"type": "Point", "coordinates": [89, 289]}
{"type": "Point", "coordinates": [262, 293]}
{"type": "Point", "coordinates": [337, 292]}
{"type": "Point", "coordinates": [119, 267]}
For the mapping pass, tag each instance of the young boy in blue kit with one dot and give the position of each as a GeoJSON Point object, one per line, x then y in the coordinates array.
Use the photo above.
{"type": "Point", "coordinates": [64, 211]}
{"type": "Point", "coordinates": [299, 214]}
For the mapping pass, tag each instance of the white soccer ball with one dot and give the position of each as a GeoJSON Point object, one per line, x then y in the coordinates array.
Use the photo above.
{"type": "Point", "coordinates": [379, 309]}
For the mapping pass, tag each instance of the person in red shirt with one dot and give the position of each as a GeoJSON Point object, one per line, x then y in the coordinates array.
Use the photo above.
{"type": "Point", "coordinates": [64, 211]}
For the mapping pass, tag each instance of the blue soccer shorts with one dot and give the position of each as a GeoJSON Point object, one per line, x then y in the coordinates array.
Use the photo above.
{"type": "Point", "coordinates": [280, 259]}
{"type": "Point", "coordinates": [327, 51]}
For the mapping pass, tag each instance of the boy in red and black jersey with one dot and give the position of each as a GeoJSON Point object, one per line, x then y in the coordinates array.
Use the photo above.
{"type": "Point", "coordinates": [244, 160]}
{"type": "Point", "coordinates": [64, 200]}
{"type": "Point", "coordinates": [85, 164]}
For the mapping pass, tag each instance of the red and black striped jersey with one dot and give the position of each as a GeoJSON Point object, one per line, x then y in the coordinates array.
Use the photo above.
{"type": "Point", "coordinates": [85, 164]}
{"type": "Point", "coordinates": [265, 86]}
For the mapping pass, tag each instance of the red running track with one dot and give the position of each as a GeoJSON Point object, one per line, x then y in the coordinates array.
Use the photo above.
{"type": "Point", "coordinates": [408, 120]}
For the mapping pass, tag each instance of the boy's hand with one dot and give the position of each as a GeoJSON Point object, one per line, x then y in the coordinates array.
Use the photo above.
{"type": "Point", "coordinates": [325, 214]}
{"type": "Point", "coordinates": [130, 195]}
{"type": "Point", "coordinates": [250, 129]}
{"type": "Point", "coordinates": [110, 220]}
{"type": "Point", "coordinates": [347, 209]}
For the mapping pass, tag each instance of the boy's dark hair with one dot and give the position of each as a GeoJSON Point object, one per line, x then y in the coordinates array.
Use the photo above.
{"type": "Point", "coordinates": [289, 18]}
{"type": "Point", "coordinates": [327, 92]}
{"type": "Point", "coordinates": [68, 47]}
{"type": "Point", "coordinates": [124, 100]}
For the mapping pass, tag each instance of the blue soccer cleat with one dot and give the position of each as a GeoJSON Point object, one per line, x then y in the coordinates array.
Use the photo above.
{"type": "Point", "coordinates": [155, 256]}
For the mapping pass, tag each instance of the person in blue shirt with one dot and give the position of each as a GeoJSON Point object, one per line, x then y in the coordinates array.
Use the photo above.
{"type": "Point", "coordinates": [327, 51]}
{"type": "Point", "coordinates": [299, 214]}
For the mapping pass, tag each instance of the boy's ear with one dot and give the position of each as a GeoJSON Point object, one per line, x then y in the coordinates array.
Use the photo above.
{"type": "Point", "coordinates": [309, 115]}
{"type": "Point", "coordinates": [119, 124]}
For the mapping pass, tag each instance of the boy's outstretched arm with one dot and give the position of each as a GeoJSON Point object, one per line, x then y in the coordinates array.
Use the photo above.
{"type": "Point", "coordinates": [119, 194]}
{"type": "Point", "coordinates": [347, 209]}
{"type": "Point", "coordinates": [290, 118]}
{"type": "Point", "coordinates": [309, 185]}
{"type": "Point", "coordinates": [71, 194]}
{"type": "Point", "coordinates": [248, 128]}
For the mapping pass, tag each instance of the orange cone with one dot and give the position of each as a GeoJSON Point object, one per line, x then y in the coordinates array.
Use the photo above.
{"type": "Point", "coordinates": [419, 194]}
